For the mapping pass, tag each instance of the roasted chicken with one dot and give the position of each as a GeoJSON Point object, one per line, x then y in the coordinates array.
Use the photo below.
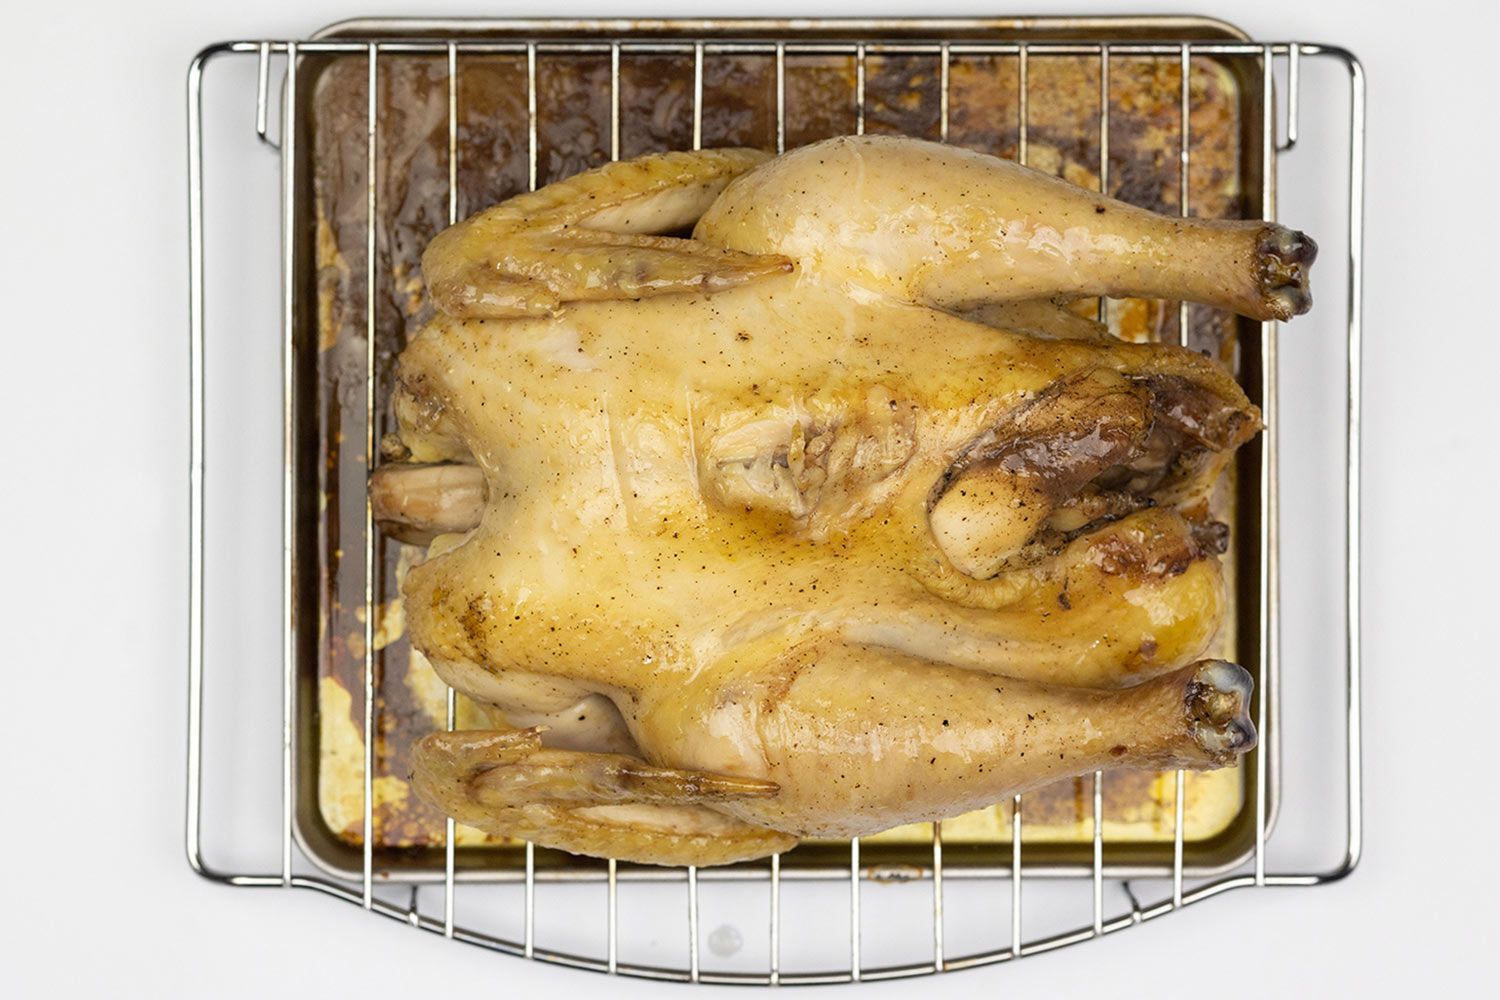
{"type": "Point", "coordinates": [827, 518]}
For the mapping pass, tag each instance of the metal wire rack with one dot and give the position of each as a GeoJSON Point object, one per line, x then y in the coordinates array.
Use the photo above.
{"type": "Point", "coordinates": [856, 40]}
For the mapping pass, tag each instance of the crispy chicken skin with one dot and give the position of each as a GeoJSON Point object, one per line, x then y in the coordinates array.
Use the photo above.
{"type": "Point", "coordinates": [826, 519]}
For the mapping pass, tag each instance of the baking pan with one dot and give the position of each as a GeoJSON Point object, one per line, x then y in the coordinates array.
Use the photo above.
{"type": "Point", "coordinates": [537, 101]}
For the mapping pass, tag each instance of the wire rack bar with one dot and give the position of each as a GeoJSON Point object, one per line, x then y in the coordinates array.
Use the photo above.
{"type": "Point", "coordinates": [692, 882]}
{"type": "Point", "coordinates": [1294, 97]}
{"type": "Point", "coordinates": [450, 699]}
{"type": "Point", "coordinates": [196, 449]}
{"type": "Point", "coordinates": [386, 46]}
{"type": "Point", "coordinates": [612, 867]}
{"type": "Point", "coordinates": [614, 102]}
{"type": "Point", "coordinates": [944, 69]}
{"type": "Point", "coordinates": [367, 847]}
{"type": "Point", "coordinates": [1184, 336]}
{"type": "Point", "coordinates": [937, 826]}
{"type": "Point", "coordinates": [1270, 590]}
{"type": "Point", "coordinates": [1354, 305]}
{"type": "Point", "coordinates": [529, 945]}
{"type": "Point", "coordinates": [937, 896]}
{"type": "Point", "coordinates": [859, 90]}
{"type": "Point", "coordinates": [529, 915]}
{"type": "Point", "coordinates": [1184, 175]}
{"type": "Point", "coordinates": [288, 440]}
{"type": "Point", "coordinates": [1098, 782]}
{"type": "Point", "coordinates": [856, 970]}
{"type": "Point", "coordinates": [360, 890]}
{"type": "Point", "coordinates": [613, 921]}
{"type": "Point", "coordinates": [1023, 114]}
{"type": "Point", "coordinates": [780, 98]}
{"type": "Point", "coordinates": [698, 96]}
{"type": "Point", "coordinates": [774, 975]}
{"type": "Point", "coordinates": [262, 91]}
{"type": "Point", "coordinates": [775, 956]}
{"type": "Point", "coordinates": [531, 117]}
{"type": "Point", "coordinates": [1015, 876]}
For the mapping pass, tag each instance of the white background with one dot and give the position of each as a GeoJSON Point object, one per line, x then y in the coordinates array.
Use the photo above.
{"type": "Point", "coordinates": [99, 900]}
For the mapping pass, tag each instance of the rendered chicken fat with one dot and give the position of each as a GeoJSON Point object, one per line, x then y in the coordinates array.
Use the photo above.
{"type": "Point", "coordinates": [826, 519]}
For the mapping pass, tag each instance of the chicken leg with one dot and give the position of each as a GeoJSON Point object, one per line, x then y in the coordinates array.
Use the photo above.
{"type": "Point", "coordinates": [860, 738]}
{"type": "Point", "coordinates": [954, 229]}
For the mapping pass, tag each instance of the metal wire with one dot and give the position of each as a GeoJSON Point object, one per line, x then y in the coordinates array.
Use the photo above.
{"type": "Point", "coordinates": [775, 928]}
{"type": "Point", "coordinates": [937, 827]}
{"type": "Point", "coordinates": [1270, 638]}
{"type": "Point", "coordinates": [450, 707]}
{"type": "Point", "coordinates": [468, 46]}
{"type": "Point", "coordinates": [614, 102]}
{"type": "Point", "coordinates": [775, 920]}
{"type": "Point", "coordinates": [1015, 877]}
{"type": "Point", "coordinates": [1184, 171]}
{"type": "Point", "coordinates": [1355, 334]}
{"type": "Point", "coordinates": [288, 441]}
{"type": "Point", "coordinates": [371, 136]}
{"type": "Point", "coordinates": [859, 90]}
{"type": "Point", "coordinates": [262, 91]}
{"type": "Point", "coordinates": [1098, 782]}
{"type": "Point", "coordinates": [698, 96]}
{"type": "Point", "coordinates": [1023, 127]}
{"type": "Point", "coordinates": [1184, 336]}
{"type": "Point", "coordinates": [855, 971]}
{"type": "Point", "coordinates": [360, 891]}
{"type": "Point", "coordinates": [1294, 97]}
{"type": "Point", "coordinates": [196, 449]}
{"type": "Point", "coordinates": [613, 924]}
{"type": "Point", "coordinates": [692, 878]}
{"type": "Point", "coordinates": [937, 896]}
{"type": "Point", "coordinates": [529, 948]}
{"type": "Point", "coordinates": [612, 873]}
{"type": "Point", "coordinates": [944, 68]}
{"type": "Point", "coordinates": [780, 98]}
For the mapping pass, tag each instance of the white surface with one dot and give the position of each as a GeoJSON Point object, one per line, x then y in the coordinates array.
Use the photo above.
{"type": "Point", "coordinates": [99, 899]}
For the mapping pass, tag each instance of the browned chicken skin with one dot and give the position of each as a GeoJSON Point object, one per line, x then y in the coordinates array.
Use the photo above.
{"type": "Point", "coordinates": [780, 531]}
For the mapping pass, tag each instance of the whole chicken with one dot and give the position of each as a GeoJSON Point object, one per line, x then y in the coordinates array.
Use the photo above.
{"type": "Point", "coordinates": [826, 519]}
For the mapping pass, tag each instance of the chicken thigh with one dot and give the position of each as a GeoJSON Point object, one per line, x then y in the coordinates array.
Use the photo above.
{"type": "Point", "coordinates": [826, 519]}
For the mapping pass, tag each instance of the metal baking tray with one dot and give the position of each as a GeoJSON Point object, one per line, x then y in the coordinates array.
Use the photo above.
{"type": "Point", "coordinates": [389, 131]}
{"type": "Point", "coordinates": [541, 105]}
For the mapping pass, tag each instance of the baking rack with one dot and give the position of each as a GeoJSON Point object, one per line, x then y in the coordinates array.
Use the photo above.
{"type": "Point", "coordinates": [456, 40]}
